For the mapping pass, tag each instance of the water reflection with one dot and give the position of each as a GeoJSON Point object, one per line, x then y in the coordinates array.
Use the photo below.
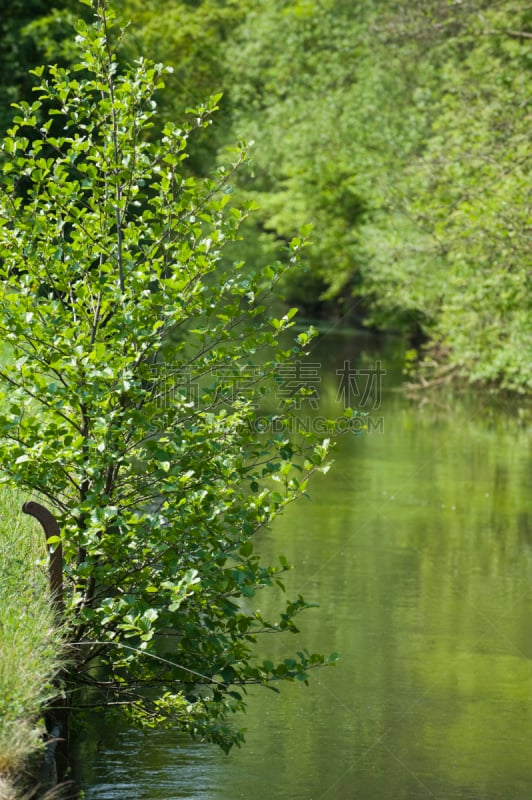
{"type": "Point", "coordinates": [158, 765]}
{"type": "Point", "coordinates": [418, 548]}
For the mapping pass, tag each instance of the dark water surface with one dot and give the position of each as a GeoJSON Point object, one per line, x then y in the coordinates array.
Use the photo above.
{"type": "Point", "coordinates": [418, 548]}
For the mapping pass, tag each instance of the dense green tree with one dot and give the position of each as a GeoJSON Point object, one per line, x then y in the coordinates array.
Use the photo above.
{"type": "Point", "coordinates": [400, 131]}
{"type": "Point", "coordinates": [135, 366]}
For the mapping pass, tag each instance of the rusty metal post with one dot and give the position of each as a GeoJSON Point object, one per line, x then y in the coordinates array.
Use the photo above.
{"type": "Point", "coordinates": [51, 528]}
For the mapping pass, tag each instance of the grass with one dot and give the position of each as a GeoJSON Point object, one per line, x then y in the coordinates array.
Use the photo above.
{"type": "Point", "coordinates": [30, 641]}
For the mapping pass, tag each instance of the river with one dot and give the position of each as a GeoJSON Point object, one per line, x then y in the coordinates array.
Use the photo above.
{"type": "Point", "coordinates": [417, 546]}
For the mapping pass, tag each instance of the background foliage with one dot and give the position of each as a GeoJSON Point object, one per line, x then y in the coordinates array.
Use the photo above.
{"type": "Point", "coordinates": [400, 131]}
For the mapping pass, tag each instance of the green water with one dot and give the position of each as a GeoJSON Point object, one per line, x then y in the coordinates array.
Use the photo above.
{"type": "Point", "coordinates": [418, 548]}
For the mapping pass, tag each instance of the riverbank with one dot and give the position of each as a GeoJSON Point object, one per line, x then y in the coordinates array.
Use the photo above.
{"type": "Point", "coordinates": [30, 644]}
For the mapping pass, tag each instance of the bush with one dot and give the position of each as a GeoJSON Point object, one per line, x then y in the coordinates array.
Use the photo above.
{"type": "Point", "coordinates": [137, 361]}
